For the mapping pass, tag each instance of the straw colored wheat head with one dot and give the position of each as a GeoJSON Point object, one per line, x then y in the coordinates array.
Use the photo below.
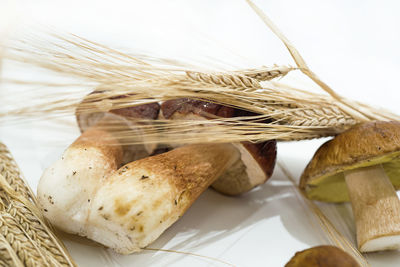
{"type": "Point", "coordinates": [292, 114]}
{"type": "Point", "coordinates": [25, 237]}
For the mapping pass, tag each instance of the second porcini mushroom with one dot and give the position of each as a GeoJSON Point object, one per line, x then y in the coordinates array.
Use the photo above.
{"type": "Point", "coordinates": [362, 165]}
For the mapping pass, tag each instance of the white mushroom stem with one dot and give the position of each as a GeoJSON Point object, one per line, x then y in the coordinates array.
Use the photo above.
{"type": "Point", "coordinates": [66, 188]}
{"type": "Point", "coordinates": [126, 209]}
{"type": "Point", "coordinates": [376, 208]}
{"type": "Point", "coordinates": [142, 199]}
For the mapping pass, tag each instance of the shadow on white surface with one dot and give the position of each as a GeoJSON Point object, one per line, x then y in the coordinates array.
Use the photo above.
{"type": "Point", "coordinates": [242, 231]}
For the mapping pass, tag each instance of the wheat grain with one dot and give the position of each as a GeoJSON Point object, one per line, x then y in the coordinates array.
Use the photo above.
{"type": "Point", "coordinates": [242, 79]}
{"type": "Point", "coordinates": [323, 117]}
{"type": "Point", "coordinates": [267, 73]}
{"type": "Point", "coordinates": [36, 230]}
{"type": "Point", "coordinates": [24, 248]}
{"type": "Point", "coordinates": [225, 80]}
{"type": "Point", "coordinates": [12, 175]}
{"type": "Point", "coordinates": [8, 257]}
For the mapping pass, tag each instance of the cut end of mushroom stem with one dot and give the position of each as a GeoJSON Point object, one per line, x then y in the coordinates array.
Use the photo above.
{"type": "Point", "coordinates": [376, 208]}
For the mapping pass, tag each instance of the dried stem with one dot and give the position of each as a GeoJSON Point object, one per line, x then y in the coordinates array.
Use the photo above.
{"type": "Point", "coordinates": [301, 64]}
{"type": "Point", "coordinates": [125, 80]}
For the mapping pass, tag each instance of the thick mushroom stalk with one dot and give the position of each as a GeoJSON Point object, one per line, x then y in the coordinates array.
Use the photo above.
{"type": "Point", "coordinates": [66, 187]}
{"type": "Point", "coordinates": [376, 208]}
{"type": "Point", "coordinates": [362, 165]}
{"type": "Point", "coordinates": [143, 198]}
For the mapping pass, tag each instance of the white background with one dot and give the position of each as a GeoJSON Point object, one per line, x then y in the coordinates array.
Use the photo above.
{"type": "Point", "coordinates": [351, 45]}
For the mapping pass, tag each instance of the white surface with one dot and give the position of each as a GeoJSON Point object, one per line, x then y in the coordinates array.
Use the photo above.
{"type": "Point", "coordinates": [352, 45]}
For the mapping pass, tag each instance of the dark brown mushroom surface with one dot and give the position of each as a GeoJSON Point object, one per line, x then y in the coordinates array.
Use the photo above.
{"type": "Point", "coordinates": [93, 113]}
{"type": "Point", "coordinates": [322, 256]}
{"type": "Point", "coordinates": [255, 162]}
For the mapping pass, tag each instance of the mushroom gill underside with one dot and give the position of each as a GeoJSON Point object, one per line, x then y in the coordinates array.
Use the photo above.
{"type": "Point", "coordinates": [331, 186]}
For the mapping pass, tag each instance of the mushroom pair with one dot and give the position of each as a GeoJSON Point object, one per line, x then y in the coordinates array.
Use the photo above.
{"type": "Point", "coordinates": [126, 207]}
{"type": "Point", "coordinates": [362, 165]}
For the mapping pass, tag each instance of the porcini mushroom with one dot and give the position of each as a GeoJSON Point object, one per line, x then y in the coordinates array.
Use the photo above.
{"type": "Point", "coordinates": [257, 160]}
{"type": "Point", "coordinates": [128, 208]}
{"type": "Point", "coordinates": [322, 256]}
{"type": "Point", "coordinates": [362, 165]}
{"type": "Point", "coordinates": [66, 188]}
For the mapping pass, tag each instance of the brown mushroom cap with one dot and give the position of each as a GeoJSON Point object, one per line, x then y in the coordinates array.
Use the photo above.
{"type": "Point", "coordinates": [322, 256]}
{"type": "Point", "coordinates": [364, 145]}
{"type": "Point", "coordinates": [257, 160]}
{"type": "Point", "coordinates": [127, 115]}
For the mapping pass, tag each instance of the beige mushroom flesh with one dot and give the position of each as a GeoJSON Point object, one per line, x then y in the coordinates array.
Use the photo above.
{"type": "Point", "coordinates": [362, 165]}
{"type": "Point", "coordinates": [255, 161]}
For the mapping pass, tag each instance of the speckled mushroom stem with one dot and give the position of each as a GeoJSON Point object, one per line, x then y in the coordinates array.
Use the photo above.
{"type": "Point", "coordinates": [143, 198]}
{"type": "Point", "coordinates": [376, 208]}
{"type": "Point", "coordinates": [66, 188]}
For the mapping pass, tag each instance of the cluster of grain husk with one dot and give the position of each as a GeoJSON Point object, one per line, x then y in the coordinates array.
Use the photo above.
{"type": "Point", "coordinates": [25, 237]}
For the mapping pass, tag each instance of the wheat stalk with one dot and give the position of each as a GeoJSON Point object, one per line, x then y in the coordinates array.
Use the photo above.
{"type": "Point", "coordinates": [295, 114]}
{"type": "Point", "coordinates": [356, 112]}
{"type": "Point", "coordinates": [128, 80]}
{"type": "Point", "coordinates": [334, 236]}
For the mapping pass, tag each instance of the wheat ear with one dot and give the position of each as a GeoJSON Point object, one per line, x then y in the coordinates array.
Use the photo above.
{"type": "Point", "coordinates": [130, 80]}
{"type": "Point", "coordinates": [23, 226]}
{"type": "Point", "coordinates": [8, 257]}
{"type": "Point", "coordinates": [22, 245]}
